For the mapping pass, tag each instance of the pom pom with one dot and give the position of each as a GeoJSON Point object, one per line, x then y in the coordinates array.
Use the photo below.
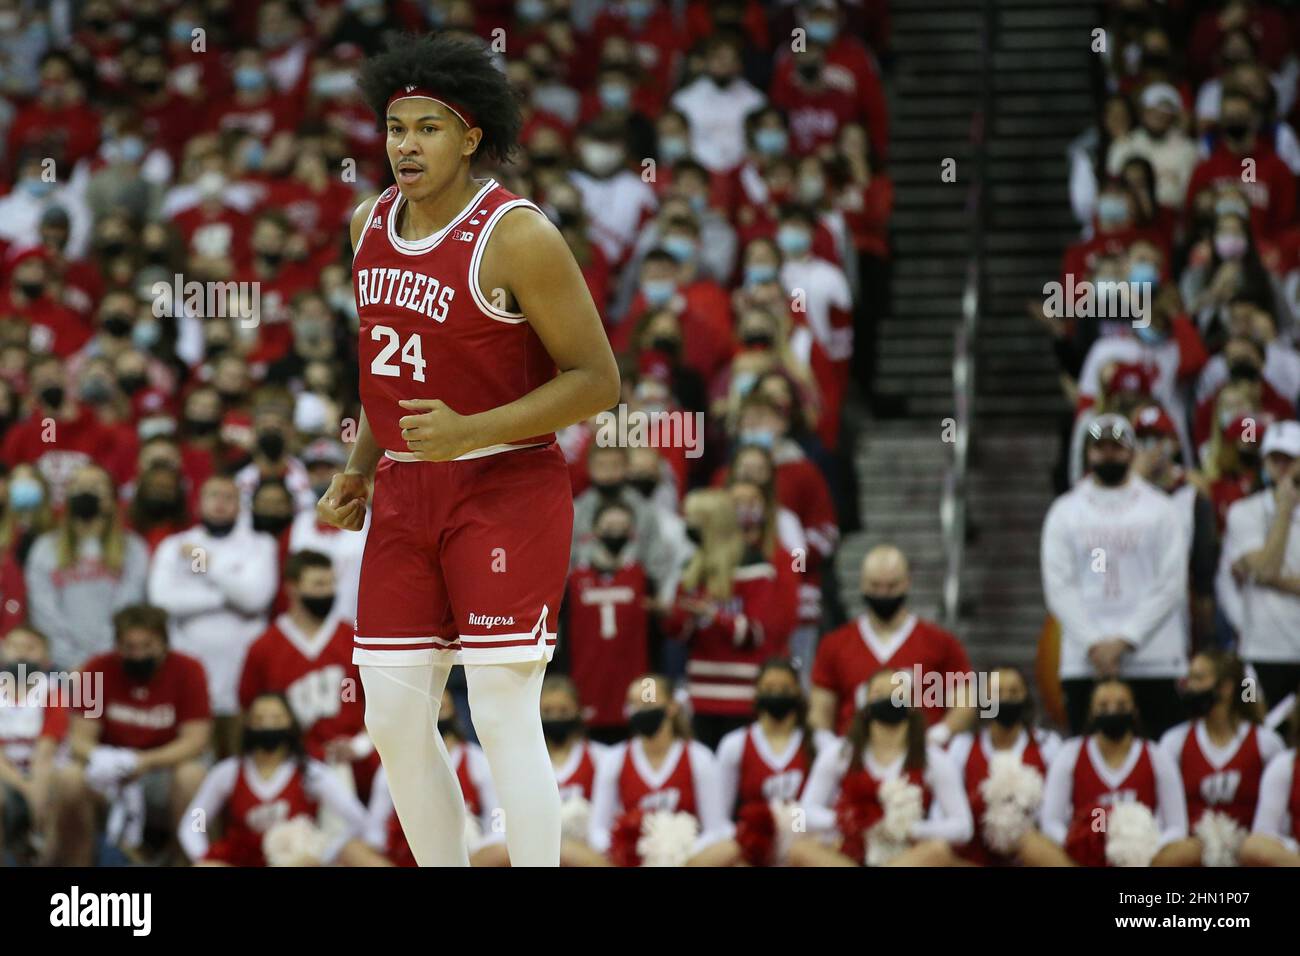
{"type": "Point", "coordinates": [787, 817]}
{"type": "Point", "coordinates": [1132, 837]}
{"type": "Point", "coordinates": [1012, 793]}
{"type": "Point", "coordinates": [473, 834]}
{"type": "Point", "coordinates": [903, 805]}
{"type": "Point", "coordinates": [296, 842]}
{"type": "Point", "coordinates": [623, 839]}
{"type": "Point", "coordinates": [575, 817]}
{"type": "Point", "coordinates": [1085, 841]}
{"type": "Point", "coordinates": [1221, 837]}
{"type": "Point", "coordinates": [756, 833]}
{"type": "Point", "coordinates": [856, 812]}
{"type": "Point", "coordinates": [667, 839]}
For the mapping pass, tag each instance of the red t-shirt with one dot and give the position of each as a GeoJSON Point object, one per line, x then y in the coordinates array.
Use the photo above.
{"type": "Point", "coordinates": [146, 715]}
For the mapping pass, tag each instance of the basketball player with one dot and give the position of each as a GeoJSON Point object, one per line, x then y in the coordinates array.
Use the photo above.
{"type": "Point", "coordinates": [478, 341]}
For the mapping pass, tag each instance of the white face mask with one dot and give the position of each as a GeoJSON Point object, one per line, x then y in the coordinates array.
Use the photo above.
{"type": "Point", "coordinates": [601, 158]}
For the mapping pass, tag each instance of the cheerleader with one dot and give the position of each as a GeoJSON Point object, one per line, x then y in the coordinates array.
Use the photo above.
{"type": "Point", "coordinates": [857, 798]}
{"type": "Point", "coordinates": [1275, 832]}
{"type": "Point", "coordinates": [574, 758]}
{"type": "Point", "coordinates": [1008, 730]}
{"type": "Point", "coordinates": [659, 769]}
{"type": "Point", "coordinates": [1221, 752]}
{"type": "Point", "coordinates": [1093, 775]}
{"type": "Point", "coordinates": [257, 794]}
{"type": "Point", "coordinates": [485, 821]}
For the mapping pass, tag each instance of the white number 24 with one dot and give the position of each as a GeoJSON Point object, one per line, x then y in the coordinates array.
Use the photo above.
{"type": "Point", "coordinates": [410, 353]}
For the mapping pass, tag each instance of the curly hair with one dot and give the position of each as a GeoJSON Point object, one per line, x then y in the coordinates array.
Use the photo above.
{"type": "Point", "coordinates": [459, 67]}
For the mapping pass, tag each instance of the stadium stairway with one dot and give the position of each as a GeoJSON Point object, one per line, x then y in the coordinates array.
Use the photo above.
{"type": "Point", "coordinates": [1038, 98]}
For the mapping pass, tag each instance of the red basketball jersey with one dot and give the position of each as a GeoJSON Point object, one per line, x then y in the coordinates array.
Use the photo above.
{"type": "Point", "coordinates": [607, 639]}
{"type": "Point", "coordinates": [975, 773]}
{"type": "Point", "coordinates": [764, 776]}
{"type": "Point", "coordinates": [1090, 790]}
{"type": "Point", "coordinates": [1232, 789]}
{"type": "Point", "coordinates": [578, 774]}
{"type": "Point", "coordinates": [257, 804]}
{"type": "Point", "coordinates": [426, 328]}
{"type": "Point", "coordinates": [674, 790]}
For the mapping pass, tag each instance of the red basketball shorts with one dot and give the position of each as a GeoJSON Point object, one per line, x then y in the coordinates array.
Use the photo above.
{"type": "Point", "coordinates": [466, 561]}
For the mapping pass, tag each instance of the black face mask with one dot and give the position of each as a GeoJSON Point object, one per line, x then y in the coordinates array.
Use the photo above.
{"type": "Point", "coordinates": [24, 668]}
{"type": "Point", "coordinates": [608, 490]}
{"type": "Point", "coordinates": [1111, 473]}
{"type": "Point", "coordinates": [267, 740]}
{"type": "Point", "coordinates": [33, 290]}
{"type": "Point", "coordinates": [270, 444]}
{"type": "Point", "coordinates": [1243, 372]}
{"type": "Point", "coordinates": [757, 340]}
{"type": "Point", "coordinates": [776, 706]}
{"type": "Point", "coordinates": [112, 248]}
{"type": "Point", "coordinates": [645, 487]}
{"type": "Point", "coordinates": [214, 350]}
{"type": "Point", "coordinates": [157, 507]}
{"type": "Point", "coordinates": [271, 524]}
{"type": "Point", "coordinates": [131, 383]}
{"type": "Point", "coordinates": [1248, 459]}
{"type": "Point", "coordinates": [884, 607]}
{"type": "Point", "coordinates": [157, 256]}
{"type": "Point", "coordinates": [52, 396]}
{"type": "Point", "coordinates": [695, 536]}
{"type": "Point", "coordinates": [558, 731]}
{"type": "Point", "coordinates": [1113, 726]}
{"type": "Point", "coordinates": [149, 87]}
{"type": "Point", "coordinates": [1235, 131]}
{"type": "Point", "coordinates": [140, 669]}
{"type": "Point", "coordinates": [1010, 712]}
{"type": "Point", "coordinates": [218, 529]}
{"type": "Point", "coordinates": [229, 398]}
{"type": "Point", "coordinates": [614, 543]}
{"type": "Point", "coordinates": [809, 72]}
{"type": "Point", "coordinates": [887, 712]}
{"type": "Point", "coordinates": [118, 326]}
{"type": "Point", "coordinates": [272, 259]}
{"type": "Point", "coordinates": [84, 505]}
{"type": "Point", "coordinates": [646, 723]}
{"type": "Point", "coordinates": [1198, 703]}
{"type": "Point", "coordinates": [318, 605]}
{"type": "Point", "coordinates": [666, 344]}
{"type": "Point", "coordinates": [202, 426]}
{"type": "Point", "coordinates": [447, 728]}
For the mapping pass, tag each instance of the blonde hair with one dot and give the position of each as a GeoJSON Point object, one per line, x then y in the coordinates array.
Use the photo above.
{"type": "Point", "coordinates": [112, 538]}
{"type": "Point", "coordinates": [713, 566]}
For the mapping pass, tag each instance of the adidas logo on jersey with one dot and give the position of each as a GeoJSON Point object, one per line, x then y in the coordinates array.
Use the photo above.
{"type": "Point", "coordinates": [484, 620]}
{"type": "Point", "coordinates": [377, 222]}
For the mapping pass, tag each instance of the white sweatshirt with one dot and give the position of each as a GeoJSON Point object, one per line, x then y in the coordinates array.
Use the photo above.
{"type": "Point", "coordinates": [217, 593]}
{"type": "Point", "coordinates": [1272, 818]}
{"type": "Point", "coordinates": [1267, 620]}
{"type": "Point", "coordinates": [1114, 564]}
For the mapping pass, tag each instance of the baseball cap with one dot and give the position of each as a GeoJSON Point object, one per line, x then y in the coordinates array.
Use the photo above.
{"type": "Point", "coordinates": [324, 451]}
{"type": "Point", "coordinates": [1283, 437]}
{"type": "Point", "coordinates": [1130, 377]}
{"type": "Point", "coordinates": [1111, 427]}
{"type": "Point", "coordinates": [1152, 420]}
{"type": "Point", "coordinates": [1161, 94]}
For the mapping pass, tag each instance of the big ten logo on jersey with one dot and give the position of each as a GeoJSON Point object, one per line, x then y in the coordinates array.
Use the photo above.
{"type": "Point", "coordinates": [783, 786]}
{"type": "Point", "coordinates": [317, 694]}
{"type": "Point", "coordinates": [266, 815]}
{"type": "Point", "coordinates": [405, 289]}
{"type": "Point", "coordinates": [609, 600]}
{"type": "Point", "coordinates": [661, 800]}
{"type": "Point", "coordinates": [1115, 797]}
{"type": "Point", "coordinates": [1220, 787]}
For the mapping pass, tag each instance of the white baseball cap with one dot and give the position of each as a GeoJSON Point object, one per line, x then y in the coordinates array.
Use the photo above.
{"type": "Point", "coordinates": [1161, 94]}
{"type": "Point", "coordinates": [1284, 437]}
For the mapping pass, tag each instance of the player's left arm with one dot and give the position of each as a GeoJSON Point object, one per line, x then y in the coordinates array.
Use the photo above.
{"type": "Point", "coordinates": [528, 261]}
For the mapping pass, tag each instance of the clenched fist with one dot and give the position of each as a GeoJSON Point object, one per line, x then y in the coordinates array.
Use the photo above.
{"type": "Point", "coordinates": [344, 503]}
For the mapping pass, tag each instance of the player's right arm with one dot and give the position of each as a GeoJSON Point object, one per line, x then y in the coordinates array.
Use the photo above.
{"type": "Point", "coordinates": [344, 503]}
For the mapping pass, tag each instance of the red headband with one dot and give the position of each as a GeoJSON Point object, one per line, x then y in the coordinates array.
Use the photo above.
{"type": "Point", "coordinates": [411, 92]}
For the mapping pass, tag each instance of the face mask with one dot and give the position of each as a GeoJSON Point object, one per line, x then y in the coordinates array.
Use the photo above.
{"type": "Point", "coordinates": [811, 188]}
{"type": "Point", "coordinates": [759, 274]}
{"type": "Point", "coordinates": [25, 494]}
{"type": "Point", "coordinates": [218, 529]}
{"type": "Point", "coordinates": [695, 536]}
{"type": "Point", "coordinates": [112, 248]}
{"type": "Point", "coordinates": [318, 605]}
{"type": "Point", "coordinates": [447, 728]}
{"type": "Point", "coordinates": [131, 383]}
{"type": "Point", "coordinates": [646, 723]}
{"type": "Point", "coordinates": [793, 240]}
{"type": "Point", "coordinates": [1229, 246]}
{"type": "Point", "coordinates": [558, 731]}
{"type": "Point", "coordinates": [182, 31]}
{"type": "Point", "coordinates": [1144, 272]}
{"type": "Point", "coordinates": [1114, 726]}
{"type": "Point", "coordinates": [884, 607]}
{"type": "Point", "coordinates": [1111, 473]}
{"type": "Point", "coordinates": [886, 711]}
{"type": "Point", "coordinates": [33, 290]}
{"type": "Point", "coordinates": [808, 72]}
{"type": "Point", "coordinates": [776, 706]}
{"type": "Point", "coordinates": [271, 524]}
{"type": "Point", "coordinates": [157, 507]}
{"type": "Point", "coordinates": [601, 159]}
{"type": "Point", "coordinates": [270, 444]}
{"type": "Point", "coordinates": [1198, 703]}
{"type": "Point", "coordinates": [608, 490]}
{"type": "Point", "coordinates": [532, 11]}
{"type": "Point", "coordinates": [139, 669]}
{"type": "Point", "coordinates": [201, 426]}
{"type": "Point", "coordinates": [672, 149]}
{"type": "Point", "coordinates": [1248, 459]}
{"type": "Point", "coordinates": [615, 96]}
{"type": "Point", "coordinates": [1010, 712]}
{"type": "Point", "coordinates": [95, 391]}
{"type": "Point", "coordinates": [658, 292]}
{"type": "Point", "coordinates": [269, 740]}
{"type": "Point", "coordinates": [639, 10]}
{"type": "Point", "coordinates": [771, 142]}
{"type": "Point", "coordinates": [645, 487]}
{"type": "Point", "coordinates": [249, 78]}
{"type": "Point", "coordinates": [614, 543]}
{"type": "Point", "coordinates": [821, 31]}
{"type": "Point", "coordinates": [130, 149]}
{"type": "Point", "coordinates": [1235, 130]}
{"type": "Point", "coordinates": [84, 505]}
{"type": "Point", "coordinates": [334, 83]}
{"type": "Point", "coordinates": [756, 340]}
{"type": "Point", "coordinates": [118, 326]}
{"type": "Point", "coordinates": [1243, 372]}
{"type": "Point", "coordinates": [760, 437]}
{"type": "Point", "coordinates": [667, 344]}
{"type": "Point", "coordinates": [1150, 334]}
{"type": "Point", "coordinates": [272, 259]}
{"type": "Point", "coordinates": [681, 248]}
{"type": "Point", "coordinates": [1112, 210]}
{"type": "Point", "coordinates": [145, 335]}
{"type": "Point", "coordinates": [37, 188]}
{"type": "Point", "coordinates": [52, 396]}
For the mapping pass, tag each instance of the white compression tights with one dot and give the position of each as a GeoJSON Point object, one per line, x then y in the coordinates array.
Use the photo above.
{"type": "Point", "coordinates": [505, 699]}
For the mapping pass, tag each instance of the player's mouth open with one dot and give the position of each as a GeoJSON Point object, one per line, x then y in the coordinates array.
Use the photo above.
{"type": "Point", "coordinates": [409, 172]}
